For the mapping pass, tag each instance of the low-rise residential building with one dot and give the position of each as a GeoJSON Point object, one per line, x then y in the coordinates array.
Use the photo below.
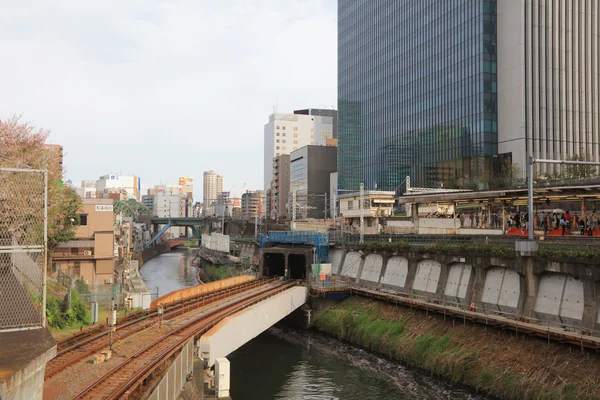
{"type": "Point", "coordinates": [91, 254]}
{"type": "Point", "coordinates": [310, 170]}
{"type": "Point", "coordinates": [377, 206]}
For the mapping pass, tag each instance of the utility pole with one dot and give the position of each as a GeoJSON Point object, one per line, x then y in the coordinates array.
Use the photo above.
{"type": "Point", "coordinates": [362, 213]}
{"type": "Point", "coordinates": [325, 206]}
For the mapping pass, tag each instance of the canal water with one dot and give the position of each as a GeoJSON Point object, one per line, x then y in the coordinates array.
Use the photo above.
{"type": "Point", "coordinates": [299, 365]}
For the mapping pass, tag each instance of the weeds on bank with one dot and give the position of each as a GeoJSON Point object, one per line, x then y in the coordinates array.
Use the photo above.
{"type": "Point", "coordinates": [364, 325]}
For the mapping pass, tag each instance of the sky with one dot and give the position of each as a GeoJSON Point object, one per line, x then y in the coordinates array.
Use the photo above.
{"type": "Point", "coordinates": [165, 88]}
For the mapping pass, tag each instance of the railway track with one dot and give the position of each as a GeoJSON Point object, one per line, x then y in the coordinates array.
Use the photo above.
{"type": "Point", "coordinates": [122, 381]}
{"type": "Point", "coordinates": [81, 346]}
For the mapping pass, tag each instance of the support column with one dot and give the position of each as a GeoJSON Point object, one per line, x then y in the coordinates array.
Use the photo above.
{"type": "Point", "coordinates": [531, 286]}
{"type": "Point", "coordinates": [286, 274]}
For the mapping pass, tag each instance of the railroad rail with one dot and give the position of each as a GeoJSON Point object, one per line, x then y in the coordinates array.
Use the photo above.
{"type": "Point", "coordinates": [124, 380]}
{"type": "Point", "coordinates": [547, 331]}
{"type": "Point", "coordinates": [80, 346]}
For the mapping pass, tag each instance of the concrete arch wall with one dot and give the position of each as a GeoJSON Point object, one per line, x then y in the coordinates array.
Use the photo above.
{"type": "Point", "coordinates": [352, 263]}
{"type": "Point", "coordinates": [459, 284]}
{"type": "Point", "coordinates": [336, 259]}
{"type": "Point", "coordinates": [371, 270]}
{"type": "Point", "coordinates": [502, 290]}
{"type": "Point", "coordinates": [560, 299]}
{"type": "Point", "coordinates": [427, 277]}
{"type": "Point", "coordinates": [396, 273]}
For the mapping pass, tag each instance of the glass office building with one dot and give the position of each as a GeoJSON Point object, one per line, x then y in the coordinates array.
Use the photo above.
{"type": "Point", "coordinates": [416, 92]}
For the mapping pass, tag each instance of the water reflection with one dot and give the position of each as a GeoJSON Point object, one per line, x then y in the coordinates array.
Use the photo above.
{"type": "Point", "coordinates": [170, 271]}
{"type": "Point", "coordinates": [303, 365]}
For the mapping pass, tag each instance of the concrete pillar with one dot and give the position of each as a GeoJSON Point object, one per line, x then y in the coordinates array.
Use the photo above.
{"type": "Point", "coordinates": [287, 270]}
{"type": "Point", "coordinates": [590, 305]}
{"type": "Point", "coordinates": [412, 271]}
{"type": "Point", "coordinates": [261, 263]}
{"type": "Point", "coordinates": [360, 267]}
{"type": "Point", "coordinates": [530, 286]}
{"type": "Point", "coordinates": [385, 256]}
{"type": "Point", "coordinates": [441, 288]}
{"type": "Point", "coordinates": [479, 282]}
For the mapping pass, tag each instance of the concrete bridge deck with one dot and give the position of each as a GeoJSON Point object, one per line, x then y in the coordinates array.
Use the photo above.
{"type": "Point", "coordinates": [149, 340]}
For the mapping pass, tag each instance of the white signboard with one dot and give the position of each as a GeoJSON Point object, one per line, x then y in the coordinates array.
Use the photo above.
{"type": "Point", "coordinates": [103, 207]}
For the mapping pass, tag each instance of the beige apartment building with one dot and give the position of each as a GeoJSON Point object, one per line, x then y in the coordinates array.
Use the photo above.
{"type": "Point", "coordinates": [91, 254]}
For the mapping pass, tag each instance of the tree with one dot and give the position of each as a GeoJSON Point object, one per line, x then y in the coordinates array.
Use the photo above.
{"type": "Point", "coordinates": [507, 175]}
{"type": "Point", "coordinates": [23, 146]}
{"type": "Point", "coordinates": [580, 171]}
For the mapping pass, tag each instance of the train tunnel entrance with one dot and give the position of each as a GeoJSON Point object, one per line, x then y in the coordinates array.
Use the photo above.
{"type": "Point", "coordinates": [297, 266]}
{"type": "Point", "coordinates": [274, 264]}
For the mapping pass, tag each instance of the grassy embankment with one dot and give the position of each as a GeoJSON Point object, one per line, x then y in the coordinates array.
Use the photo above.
{"type": "Point", "coordinates": [494, 362]}
{"type": "Point", "coordinates": [216, 272]}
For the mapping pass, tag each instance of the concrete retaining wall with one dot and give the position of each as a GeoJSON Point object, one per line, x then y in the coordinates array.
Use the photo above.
{"type": "Point", "coordinates": [557, 292]}
{"type": "Point", "coordinates": [216, 242]}
{"type": "Point", "coordinates": [171, 385]}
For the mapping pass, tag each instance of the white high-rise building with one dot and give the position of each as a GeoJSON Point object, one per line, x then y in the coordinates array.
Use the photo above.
{"type": "Point", "coordinates": [285, 133]}
{"type": "Point", "coordinates": [212, 186]}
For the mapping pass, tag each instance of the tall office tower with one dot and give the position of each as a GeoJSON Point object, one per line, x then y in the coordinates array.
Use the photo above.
{"type": "Point", "coordinates": [213, 184]}
{"type": "Point", "coordinates": [548, 81]}
{"type": "Point", "coordinates": [443, 91]}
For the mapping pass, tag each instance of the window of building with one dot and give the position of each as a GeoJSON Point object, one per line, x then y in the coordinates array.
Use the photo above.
{"type": "Point", "coordinates": [323, 130]}
{"type": "Point", "coordinates": [277, 141]}
{"type": "Point", "coordinates": [277, 154]}
{"type": "Point", "coordinates": [295, 135]}
{"type": "Point", "coordinates": [312, 136]}
{"type": "Point", "coordinates": [295, 128]}
{"type": "Point", "coordinates": [83, 219]}
{"type": "Point", "coordinates": [74, 251]}
{"type": "Point", "coordinates": [312, 142]}
{"type": "Point", "coordinates": [277, 133]}
{"type": "Point", "coordinates": [283, 128]}
{"type": "Point", "coordinates": [350, 204]}
{"type": "Point", "coordinates": [283, 134]}
{"type": "Point", "coordinates": [367, 204]}
{"type": "Point", "coordinates": [295, 142]}
{"type": "Point", "coordinates": [295, 148]}
{"type": "Point", "coordinates": [283, 147]}
{"type": "Point", "coordinates": [283, 141]}
{"type": "Point", "coordinates": [278, 127]}
{"type": "Point", "coordinates": [323, 136]}
{"type": "Point", "coordinates": [369, 222]}
{"type": "Point", "coordinates": [277, 148]}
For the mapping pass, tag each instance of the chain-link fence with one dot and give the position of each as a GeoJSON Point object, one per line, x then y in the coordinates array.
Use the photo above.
{"type": "Point", "coordinates": [23, 226]}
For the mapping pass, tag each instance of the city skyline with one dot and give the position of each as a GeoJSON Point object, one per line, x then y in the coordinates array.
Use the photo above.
{"type": "Point", "coordinates": [133, 81]}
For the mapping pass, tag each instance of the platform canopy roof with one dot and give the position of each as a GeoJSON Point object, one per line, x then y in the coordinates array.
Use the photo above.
{"type": "Point", "coordinates": [510, 196]}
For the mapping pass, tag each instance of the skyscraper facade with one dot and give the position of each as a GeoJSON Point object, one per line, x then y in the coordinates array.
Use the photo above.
{"type": "Point", "coordinates": [548, 80]}
{"type": "Point", "coordinates": [212, 186]}
{"type": "Point", "coordinates": [446, 90]}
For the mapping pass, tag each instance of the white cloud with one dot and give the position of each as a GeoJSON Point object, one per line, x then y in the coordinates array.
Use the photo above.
{"type": "Point", "coordinates": [164, 88]}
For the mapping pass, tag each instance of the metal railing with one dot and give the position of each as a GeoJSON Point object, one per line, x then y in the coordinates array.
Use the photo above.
{"type": "Point", "coordinates": [23, 240]}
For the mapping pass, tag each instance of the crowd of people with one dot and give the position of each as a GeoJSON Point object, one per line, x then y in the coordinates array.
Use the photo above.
{"type": "Point", "coordinates": [586, 223]}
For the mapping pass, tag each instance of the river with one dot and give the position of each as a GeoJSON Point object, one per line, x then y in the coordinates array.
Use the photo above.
{"type": "Point", "coordinates": [299, 365]}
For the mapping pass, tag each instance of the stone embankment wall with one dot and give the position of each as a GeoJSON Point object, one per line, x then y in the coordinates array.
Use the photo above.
{"type": "Point", "coordinates": [556, 292]}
